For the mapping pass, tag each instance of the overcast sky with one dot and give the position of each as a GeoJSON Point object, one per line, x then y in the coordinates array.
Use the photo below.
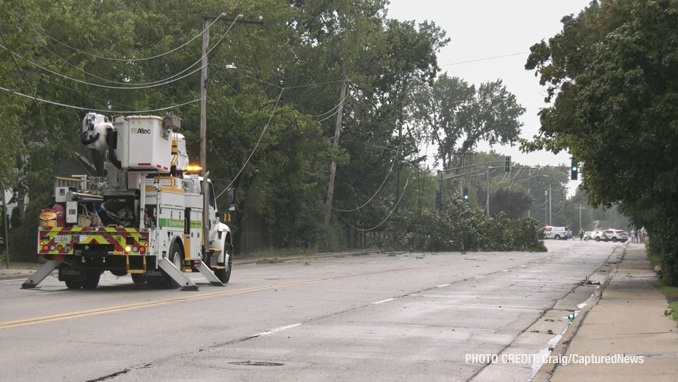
{"type": "Point", "coordinates": [481, 29]}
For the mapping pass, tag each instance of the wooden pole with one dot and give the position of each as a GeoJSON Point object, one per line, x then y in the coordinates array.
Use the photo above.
{"type": "Point", "coordinates": [333, 166]}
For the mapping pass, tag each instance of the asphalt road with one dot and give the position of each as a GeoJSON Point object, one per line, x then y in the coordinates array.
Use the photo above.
{"type": "Point", "coordinates": [412, 316]}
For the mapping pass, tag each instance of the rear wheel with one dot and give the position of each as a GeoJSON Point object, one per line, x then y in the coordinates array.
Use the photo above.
{"type": "Point", "coordinates": [614, 239]}
{"type": "Point", "coordinates": [137, 278]}
{"type": "Point", "coordinates": [72, 284]}
{"type": "Point", "coordinates": [557, 237]}
{"type": "Point", "coordinates": [91, 279]}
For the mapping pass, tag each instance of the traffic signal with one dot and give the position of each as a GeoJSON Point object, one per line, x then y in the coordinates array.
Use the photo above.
{"type": "Point", "coordinates": [507, 164]}
{"type": "Point", "coordinates": [466, 194]}
{"type": "Point", "coordinates": [574, 170]}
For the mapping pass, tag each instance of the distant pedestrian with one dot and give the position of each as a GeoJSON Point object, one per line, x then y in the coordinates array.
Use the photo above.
{"type": "Point", "coordinates": [643, 233]}
{"type": "Point", "coordinates": [581, 234]}
{"type": "Point", "coordinates": [633, 236]}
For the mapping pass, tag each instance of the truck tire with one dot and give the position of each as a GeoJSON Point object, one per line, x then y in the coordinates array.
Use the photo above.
{"type": "Point", "coordinates": [72, 284]}
{"type": "Point", "coordinates": [91, 279]}
{"type": "Point", "coordinates": [176, 257]}
{"type": "Point", "coordinates": [614, 239]}
{"type": "Point", "coordinates": [137, 278]}
{"type": "Point", "coordinates": [225, 274]}
{"type": "Point", "coordinates": [557, 237]}
{"type": "Point", "coordinates": [166, 282]}
{"type": "Point", "coordinates": [598, 238]}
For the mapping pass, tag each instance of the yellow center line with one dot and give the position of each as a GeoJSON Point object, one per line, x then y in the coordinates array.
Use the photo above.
{"type": "Point", "coordinates": [118, 308]}
{"type": "Point", "coordinates": [148, 304]}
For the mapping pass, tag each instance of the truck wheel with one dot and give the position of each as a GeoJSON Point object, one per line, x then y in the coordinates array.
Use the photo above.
{"type": "Point", "coordinates": [119, 272]}
{"type": "Point", "coordinates": [557, 237]}
{"type": "Point", "coordinates": [225, 274]}
{"type": "Point", "coordinates": [91, 279]}
{"type": "Point", "coordinates": [72, 284]}
{"type": "Point", "coordinates": [598, 238]}
{"type": "Point", "coordinates": [137, 278]}
{"type": "Point", "coordinates": [614, 239]}
{"type": "Point", "coordinates": [176, 257]}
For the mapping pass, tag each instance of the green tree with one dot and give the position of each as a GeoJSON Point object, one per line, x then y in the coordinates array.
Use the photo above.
{"type": "Point", "coordinates": [457, 117]}
{"type": "Point", "coordinates": [513, 204]}
{"type": "Point", "coordinates": [611, 80]}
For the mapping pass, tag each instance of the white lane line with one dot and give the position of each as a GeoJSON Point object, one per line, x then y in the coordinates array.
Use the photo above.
{"type": "Point", "coordinates": [444, 285]}
{"type": "Point", "coordinates": [383, 301]}
{"type": "Point", "coordinates": [280, 329]}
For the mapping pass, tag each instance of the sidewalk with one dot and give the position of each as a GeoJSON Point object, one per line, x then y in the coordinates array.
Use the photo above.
{"type": "Point", "coordinates": [628, 320]}
{"type": "Point", "coordinates": [9, 274]}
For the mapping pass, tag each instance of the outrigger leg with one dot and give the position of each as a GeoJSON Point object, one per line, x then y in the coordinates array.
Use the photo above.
{"type": "Point", "coordinates": [41, 274]}
{"type": "Point", "coordinates": [209, 275]}
{"type": "Point", "coordinates": [177, 275]}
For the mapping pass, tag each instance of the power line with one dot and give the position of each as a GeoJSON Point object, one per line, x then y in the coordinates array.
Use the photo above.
{"type": "Point", "coordinates": [97, 110]}
{"type": "Point", "coordinates": [390, 170]}
{"type": "Point", "coordinates": [99, 85]}
{"type": "Point", "coordinates": [255, 146]}
{"type": "Point", "coordinates": [41, 78]}
{"type": "Point", "coordinates": [21, 73]}
{"type": "Point", "coordinates": [128, 59]}
{"type": "Point", "coordinates": [128, 86]}
{"type": "Point", "coordinates": [485, 59]}
{"type": "Point", "coordinates": [387, 217]}
{"type": "Point", "coordinates": [333, 110]}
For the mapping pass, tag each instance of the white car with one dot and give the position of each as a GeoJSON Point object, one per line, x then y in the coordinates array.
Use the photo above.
{"type": "Point", "coordinates": [613, 235]}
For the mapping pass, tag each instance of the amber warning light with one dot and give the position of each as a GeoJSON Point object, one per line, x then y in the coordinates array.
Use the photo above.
{"type": "Point", "coordinates": [192, 169]}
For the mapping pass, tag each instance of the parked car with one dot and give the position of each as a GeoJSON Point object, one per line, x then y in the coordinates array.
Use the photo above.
{"type": "Point", "coordinates": [597, 235]}
{"type": "Point", "coordinates": [588, 235]}
{"type": "Point", "coordinates": [613, 235]}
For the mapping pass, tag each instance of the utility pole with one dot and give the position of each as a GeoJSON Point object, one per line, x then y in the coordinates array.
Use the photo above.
{"type": "Point", "coordinates": [333, 166]}
{"type": "Point", "coordinates": [4, 217]}
{"type": "Point", "coordinates": [203, 95]}
{"type": "Point", "coordinates": [550, 195]}
{"type": "Point", "coordinates": [203, 119]}
{"type": "Point", "coordinates": [546, 209]}
{"type": "Point", "coordinates": [487, 202]}
{"type": "Point", "coordinates": [203, 83]}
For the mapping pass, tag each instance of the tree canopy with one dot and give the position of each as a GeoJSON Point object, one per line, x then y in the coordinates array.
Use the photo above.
{"type": "Point", "coordinates": [273, 96]}
{"type": "Point", "coordinates": [612, 83]}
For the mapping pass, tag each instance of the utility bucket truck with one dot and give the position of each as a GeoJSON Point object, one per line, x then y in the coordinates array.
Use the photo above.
{"type": "Point", "coordinates": [147, 216]}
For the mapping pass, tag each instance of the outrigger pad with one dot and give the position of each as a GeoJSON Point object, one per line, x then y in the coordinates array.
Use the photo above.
{"type": "Point", "coordinates": [40, 275]}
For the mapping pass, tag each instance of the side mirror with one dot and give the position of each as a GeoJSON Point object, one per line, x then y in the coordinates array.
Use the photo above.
{"type": "Point", "coordinates": [231, 199]}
